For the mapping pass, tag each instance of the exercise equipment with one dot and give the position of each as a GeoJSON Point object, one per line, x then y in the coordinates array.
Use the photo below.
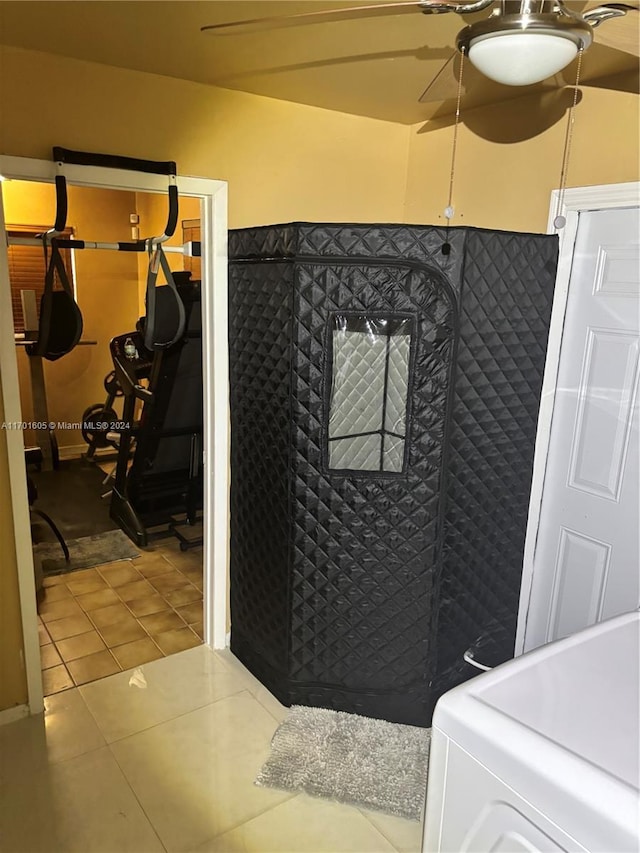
{"type": "Point", "coordinates": [158, 476]}
{"type": "Point", "coordinates": [159, 470]}
{"type": "Point", "coordinates": [100, 420]}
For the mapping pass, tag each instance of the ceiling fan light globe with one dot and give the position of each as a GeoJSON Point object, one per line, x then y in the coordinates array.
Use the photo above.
{"type": "Point", "coordinates": [520, 59]}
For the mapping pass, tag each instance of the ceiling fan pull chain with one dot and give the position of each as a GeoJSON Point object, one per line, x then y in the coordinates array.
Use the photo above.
{"type": "Point", "coordinates": [449, 209]}
{"type": "Point", "coordinates": [560, 221]}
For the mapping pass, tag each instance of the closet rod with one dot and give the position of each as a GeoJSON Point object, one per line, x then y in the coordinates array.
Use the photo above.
{"type": "Point", "coordinates": [191, 249]}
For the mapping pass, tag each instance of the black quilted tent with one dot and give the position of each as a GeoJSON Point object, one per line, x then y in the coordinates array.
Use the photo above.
{"type": "Point", "coordinates": [384, 399]}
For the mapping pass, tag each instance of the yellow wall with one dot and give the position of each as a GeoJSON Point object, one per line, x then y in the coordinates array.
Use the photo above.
{"type": "Point", "coordinates": [106, 285]}
{"type": "Point", "coordinates": [508, 185]}
{"type": "Point", "coordinates": [283, 161]}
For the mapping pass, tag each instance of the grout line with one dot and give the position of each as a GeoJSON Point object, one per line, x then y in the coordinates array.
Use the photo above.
{"type": "Point", "coordinates": [135, 795]}
{"type": "Point", "coordinates": [418, 825]}
{"type": "Point", "coordinates": [99, 631]}
{"type": "Point", "coordinates": [176, 716]}
{"type": "Point", "coordinates": [288, 796]}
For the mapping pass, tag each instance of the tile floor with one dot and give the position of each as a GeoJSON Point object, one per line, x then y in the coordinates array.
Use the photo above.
{"type": "Point", "coordinates": [96, 622]}
{"type": "Point", "coordinates": [163, 758]}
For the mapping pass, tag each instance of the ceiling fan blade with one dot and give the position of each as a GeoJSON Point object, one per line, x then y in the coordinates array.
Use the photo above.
{"type": "Point", "coordinates": [621, 33]}
{"type": "Point", "coordinates": [378, 10]}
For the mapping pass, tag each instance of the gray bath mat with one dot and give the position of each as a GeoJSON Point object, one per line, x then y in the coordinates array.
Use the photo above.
{"type": "Point", "coordinates": [356, 760]}
{"type": "Point", "coordinates": [85, 552]}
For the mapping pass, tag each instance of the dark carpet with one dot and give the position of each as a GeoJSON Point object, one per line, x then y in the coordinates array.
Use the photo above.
{"type": "Point", "coordinates": [71, 496]}
{"type": "Point", "coordinates": [86, 552]}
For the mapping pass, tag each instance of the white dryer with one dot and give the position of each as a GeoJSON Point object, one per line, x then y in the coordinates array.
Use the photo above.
{"type": "Point", "coordinates": [542, 753]}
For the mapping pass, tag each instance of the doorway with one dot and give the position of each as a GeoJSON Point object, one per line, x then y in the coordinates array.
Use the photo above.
{"type": "Point", "coordinates": [208, 198]}
{"type": "Point", "coordinates": [581, 554]}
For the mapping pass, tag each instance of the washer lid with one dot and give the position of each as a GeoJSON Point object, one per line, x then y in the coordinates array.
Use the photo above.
{"type": "Point", "coordinates": [582, 693]}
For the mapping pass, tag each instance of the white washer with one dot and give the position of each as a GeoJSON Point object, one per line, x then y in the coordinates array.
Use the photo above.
{"type": "Point", "coordinates": [542, 753]}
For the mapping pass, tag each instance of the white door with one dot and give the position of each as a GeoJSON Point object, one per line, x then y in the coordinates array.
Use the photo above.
{"type": "Point", "coordinates": [586, 565]}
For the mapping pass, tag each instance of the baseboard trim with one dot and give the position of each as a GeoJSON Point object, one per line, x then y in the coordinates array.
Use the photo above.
{"type": "Point", "coordinates": [10, 715]}
{"type": "Point", "coordinates": [72, 451]}
{"type": "Point", "coordinates": [77, 451]}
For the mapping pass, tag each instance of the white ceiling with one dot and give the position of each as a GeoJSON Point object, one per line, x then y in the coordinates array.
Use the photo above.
{"type": "Point", "coordinates": [377, 67]}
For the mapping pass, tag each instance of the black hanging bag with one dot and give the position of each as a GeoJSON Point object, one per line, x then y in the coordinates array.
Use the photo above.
{"type": "Point", "coordinates": [60, 317]}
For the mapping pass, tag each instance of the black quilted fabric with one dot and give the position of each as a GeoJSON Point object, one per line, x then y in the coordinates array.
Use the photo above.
{"type": "Point", "coordinates": [261, 522]}
{"type": "Point", "coordinates": [506, 299]}
{"type": "Point", "coordinates": [362, 591]}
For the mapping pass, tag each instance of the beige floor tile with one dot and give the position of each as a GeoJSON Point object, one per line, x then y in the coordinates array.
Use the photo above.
{"type": "Point", "coordinates": [82, 805]}
{"type": "Point", "coordinates": [83, 574]}
{"type": "Point", "coordinates": [191, 613]}
{"type": "Point", "coordinates": [104, 617]}
{"type": "Point", "coordinates": [136, 653]}
{"type": "Point", "coordinates": [146, 606]}
{"type": "Point", "coordinates": [53, 580]}
{"type": "Point", "coordinates": [81, 586]}
{"type": "Point", "coordinates": [277, 710]}
{"type": "Point", "coordinates": [66, 729]}
{"type": "Point", "coordinates": [303, 825]}
{"type": "Point", "coordinates": [116, 564]}
{"type": "Point", "coordinates": [214, 754]}
{"type": "Point", "coordinates": [56, 679]}
{"type": "Point", "coordinates": [405, 835]}
{"type": "Point", "coordinates": [93, 667]}
{"type": "Point", "coordinates": [198, 627]}
{"type": "Point", "coordinates": [190, 569]}
{"type": "Point", "coordinates": [177, 641]}
{"type": "Point", "coordinates": [173, 579]}
{"type": "Point", "coordinates": [194, 575]}
{"type": "Point", "coordinates": [123, 632]}
{"type": "Point", "coordinates": [158, 623]}
{"type": "Point", "coordinates": [55, 593]}
{"type": "Point", "coordinates": [138, 589]}
{"type": "Point", "coordinates": [80, 646]}
{"type": "Point", "coordinates": [184, 595]}
{"type": "Point", "coordinates": [119, 574]}
{"type": "Point", "coordinates": [59, 610]}
{"type": "Point", "coordinates": [43, 634]}
{"type": "Point", "coordinates": [166, 546]}
{"type": "Point", "coordinates": [49, 656]}
{"type": "Point", "coordinates": [162, 690]}
{"type": "Point", "coordinates": [186, 561]}
{"type": "Point", "coordinates": [98, 600]}
{"type": "Point", "coordinates": [69, 627]}
{"type": "Point", "coordinates": [152, 564]}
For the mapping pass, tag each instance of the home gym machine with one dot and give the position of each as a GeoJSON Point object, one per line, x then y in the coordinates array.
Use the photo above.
{"type": "Point", "coordinates": [158, 371]}
{"type": "Point", "coordinates": [159, 470]}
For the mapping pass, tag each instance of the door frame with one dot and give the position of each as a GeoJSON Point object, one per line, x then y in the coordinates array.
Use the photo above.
{"type": "Point", "coordinates": [213, 196]}
{"type": "Point", "coordinates": [574, 202]}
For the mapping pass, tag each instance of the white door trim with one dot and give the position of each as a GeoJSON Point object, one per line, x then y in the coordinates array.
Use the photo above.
{"type": "Point", "coordinates": [575, 201]}
{"type": "Point", "coordinates": [213, 195]}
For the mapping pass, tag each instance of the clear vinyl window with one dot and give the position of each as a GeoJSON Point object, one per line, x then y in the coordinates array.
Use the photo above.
{"type": "Point", "coordinates": [370, 359]}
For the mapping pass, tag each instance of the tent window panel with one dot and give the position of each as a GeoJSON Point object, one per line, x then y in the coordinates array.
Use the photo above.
{"type": "Point", "coordinates": [370, 359]}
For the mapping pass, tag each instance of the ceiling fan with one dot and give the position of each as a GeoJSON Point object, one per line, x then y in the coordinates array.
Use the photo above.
{"type": "Point", "coordinates": [521, 42]}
